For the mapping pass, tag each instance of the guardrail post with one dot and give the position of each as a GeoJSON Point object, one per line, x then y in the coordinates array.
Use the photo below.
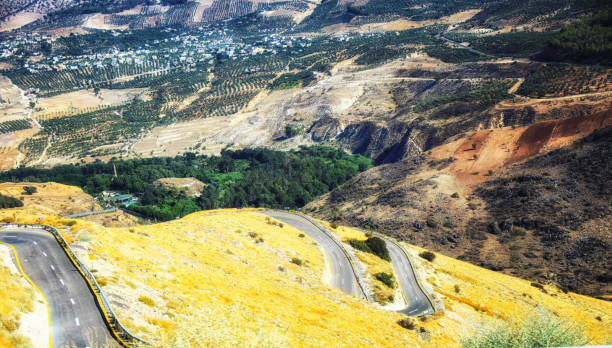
{"type": "Point", "coordinates": [105, 305]}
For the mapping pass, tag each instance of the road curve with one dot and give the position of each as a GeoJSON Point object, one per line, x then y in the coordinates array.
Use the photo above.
{"type": "Point", "coordinates": [416, 299]}
{"type": "Point", "coordinates": [76, 321]}
{"type": "Point", "coordinates": [343, 274]}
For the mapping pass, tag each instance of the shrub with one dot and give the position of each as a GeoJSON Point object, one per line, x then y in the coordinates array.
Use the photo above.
{"type": "Point", "coordinates": [539, 286]}
{"type": "Point", "coordinates": [543, 330]}
{"type": "Point", "coordinates": [379, 248]}
{"type": "Point", "coordinates": [147, 300]}
{"type": "Point", "coordinates": [360, 245]}
{"type": "Point", "coordinates": [9, 202]}
{"type": "Point", "coordinates": [386, 278]}
{"type": "Point", "coordinates": [333, 225]}
{"type": "Point", "coordinates": [29, 190]}
{"type": "Point", "coordinates": [297, 261]}
{"type": "Point", "coordinates": [372, 245]}
{"type": "Point", "coordinates": [432, 223]}
{"type": "Point", "coordinates": [449, 223]}
{"type": "Point", "coordinates": [407, 323]}
{"type": "Point", "coordinates": [457, 289]}
{"type": "Point", "coordinates": [71, 223]}
{"type": "Point", "coordinates": [10, 324]}
{"type": "Point", "coordinates": [455, 195]}
{"type": "Point", "coordinates": [428, 255]}
{"type": "Point", "coordinates": [301, 235]}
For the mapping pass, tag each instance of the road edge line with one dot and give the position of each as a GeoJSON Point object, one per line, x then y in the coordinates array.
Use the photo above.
{"type": "Point", "coordinates": [415, 276]}
{"type": "Point", "coordinates": [37, 289]}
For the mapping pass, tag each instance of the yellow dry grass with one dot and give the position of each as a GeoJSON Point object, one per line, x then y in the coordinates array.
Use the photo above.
{"type": "Point", "coordinates": [15, 299]}
{"type": "Point", "coordinates": [373, 264]}
{"type": "Point", "coordinates": [50, 198]}
{"type": "Point", "coordinates": [214, 282]}
{"type": "Point", "coordinates": [225, 278]}
{"type": "Point", "coordinates": [475, 297]}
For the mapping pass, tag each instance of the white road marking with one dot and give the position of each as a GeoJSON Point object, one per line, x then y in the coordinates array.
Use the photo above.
{"type": "Point", "coordinates": [72, 301]}
{"type": "Point", "coordinates": [53, 268]}
{"type": "Point", "coordinates": [77, 321]}
{"type": "Point", "coordinates": [34, 242]}
{"type": "Point", "coordinates": [61, 281]}
{"type": "Point", "coordinates": [44, 253]}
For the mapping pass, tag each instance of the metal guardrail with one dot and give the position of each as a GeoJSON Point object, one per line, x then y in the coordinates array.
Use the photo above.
{"type": "Point", "coordinates": [87, 213]}
{"type": "Point", "coordinates": [435, 306]}
{"type": "Point", "coordinates": [123, 335]}
{"type": "Point", "coordinates": [334, 238]}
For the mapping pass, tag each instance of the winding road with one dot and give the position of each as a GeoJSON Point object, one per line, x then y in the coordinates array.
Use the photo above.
{"type": "Point", "coordinates": [343, 274]}
{"type": "Point", "coordinates": [76, 320]}
{"type": "Point", "coordinates": [416, 298]}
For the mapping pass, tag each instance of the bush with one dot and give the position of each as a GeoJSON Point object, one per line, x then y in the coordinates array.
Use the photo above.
{"type": "Point", "coordinates": [455, 195]}
{"type": "Point", "coordinates": [449, 223]}
{"type": "Point", "coordinates": [378, 247]}
{"type": "Point", "coordinates": [297, 261]}
{"type": "Point", "coordinates": [432, 223]}
{"type": "Point", "coordinates": [428, 255]}
{"type": "Point", "coordinates": [539, 286]}
{"type": "Point", "coordinates": [372, 245]}
{"type": "Point", "coordinates": [360, 245]}
{"type": "Point", "coordinates": [9, 202]}
{"type": "Point", "coordinates": [407, 323]}
{"type": "Point", "coordinates": [147, 300]}
{"type": "Point", "coordinates": [29, 190]}
{"type": "Point", "coordinates": [543, 330]}
{"type": "Point", "coordinates": [386, 278]}
{"type": "Point", "coordinates": [71, 223]}
{"type": "Point", "coordinates": [333, 225]}
{"type": "Point", "coordinates": [301, 235]}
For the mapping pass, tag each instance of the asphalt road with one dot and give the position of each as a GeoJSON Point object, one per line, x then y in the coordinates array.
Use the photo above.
{"type": "Point", "coordinates": [343, 274]}
{"type": "Point", "coordinates": [416, 300]}
{"type": "Point", "coordinates": [75, 318]}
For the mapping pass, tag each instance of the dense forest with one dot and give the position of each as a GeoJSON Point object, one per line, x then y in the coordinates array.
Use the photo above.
{"type": "Point", "coordinates": [250, 177]}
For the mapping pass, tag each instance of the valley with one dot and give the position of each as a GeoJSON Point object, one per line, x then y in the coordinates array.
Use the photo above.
{"type": "Point", "coordinates": [306, 173]}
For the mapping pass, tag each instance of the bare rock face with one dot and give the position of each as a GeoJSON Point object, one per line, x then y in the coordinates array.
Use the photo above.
{"type": "Point", "coordinates": [325, 129]}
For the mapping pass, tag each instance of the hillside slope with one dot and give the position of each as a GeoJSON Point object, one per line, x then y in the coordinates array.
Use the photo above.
{"type": "Point", "coordinates": [475, 198]}
{"type": "Point", "coordinates": [227, 277]}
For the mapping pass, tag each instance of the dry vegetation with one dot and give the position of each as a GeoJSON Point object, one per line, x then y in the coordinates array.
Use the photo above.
{"type": "Point", "coordinates": [240, 287]}
{"type": "Point", "coordinates": [23, 313]}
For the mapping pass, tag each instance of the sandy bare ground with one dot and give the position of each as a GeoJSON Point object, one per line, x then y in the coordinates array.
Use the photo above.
{"type": "Point", "coordinates": [348, 95]}
{"type": "Point", "coordinates": [97, 21]}
{"type": "Point", "coordinates": [34, 325]}
{"type": "Point", "coordinates": [19, 20]}
{"type": "Point", "coordinates": [74, 102]}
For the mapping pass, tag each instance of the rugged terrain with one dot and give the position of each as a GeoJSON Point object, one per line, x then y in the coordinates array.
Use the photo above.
{"type": "Point", "coordinates": [545, 219]}
{"type": "Point", "coordinates": [489, 125]}
{"type": "Point", "coordinates": [250, 292]}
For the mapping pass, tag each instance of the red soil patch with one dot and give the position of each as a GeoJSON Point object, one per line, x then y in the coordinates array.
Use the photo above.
{"type": "Point", "coordinates": [488, 151]}
{"type": "Point", "coordinates": [551, 135]}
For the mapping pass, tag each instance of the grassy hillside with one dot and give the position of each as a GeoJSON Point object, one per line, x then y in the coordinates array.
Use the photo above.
{"type": "Point", "coordinates": [229, 277]}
